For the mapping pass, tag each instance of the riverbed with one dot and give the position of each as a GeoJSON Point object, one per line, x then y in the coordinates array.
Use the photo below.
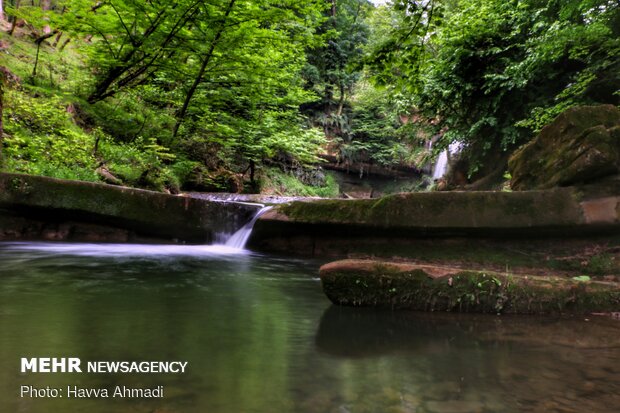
{"type": "Point", "coordinates": [259, 335]}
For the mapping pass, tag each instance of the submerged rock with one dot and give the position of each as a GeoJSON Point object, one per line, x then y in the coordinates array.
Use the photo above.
{"type": "Point", "coordinates": [581, 145]}
{"type": "Point", "coordinates": [436, 288]}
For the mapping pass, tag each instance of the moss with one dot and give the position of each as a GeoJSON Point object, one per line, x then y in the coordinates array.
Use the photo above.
{"type": "Point", "coordinates": [327, 210]}
{"type": "Point", "coordinates": [446, 210]}
{"type": "Point", "coordinates": [578, 146]}
{"type": "Point", "coordinates": [388, 285]}
{"type": "Point", "coordinates": [275, 181]}
{"type": "Point", "coordinates": [592, 263]}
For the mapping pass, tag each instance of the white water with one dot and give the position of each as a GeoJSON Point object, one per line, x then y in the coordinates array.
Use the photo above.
{"type": "Point", "coordinates": [441, 167]}
{"type": "Point", "coordinates": [233, 246]}
{"type": "Point", "coordinates": [240, 238]}
{"type": "Point", "coordinates": [125, 250]}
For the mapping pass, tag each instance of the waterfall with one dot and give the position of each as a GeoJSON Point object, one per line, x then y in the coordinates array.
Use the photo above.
{"type": "Point", "coordinates": [240, 238]}
{"type": "Point", "coordinates": [441, 167]}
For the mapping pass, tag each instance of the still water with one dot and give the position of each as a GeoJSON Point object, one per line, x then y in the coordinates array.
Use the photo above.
{"type": "Point", "coordinates": [260, 336]}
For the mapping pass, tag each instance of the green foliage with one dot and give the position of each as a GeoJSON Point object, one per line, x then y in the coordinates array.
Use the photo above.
{"type": "Point", "coordinates": [490, 73]}
{"type": "Point", "coordinates": [62, 71]}
{"type": "Point", "coordinates": [377, 135]}
{"type": "Point", "coordinates": [225, 76]}
{"type": "Point", "coordinates": [133, 114]}
{"type": "Point", "coordinates": [42, 140]}
{"type": "Point", "coordinates": [274, 181]}
{"type": "Point", "coordinates": [332, 69]}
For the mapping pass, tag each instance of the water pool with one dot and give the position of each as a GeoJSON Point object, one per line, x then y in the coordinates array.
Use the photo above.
{"type": "Point", "coordinates": [259, 336]}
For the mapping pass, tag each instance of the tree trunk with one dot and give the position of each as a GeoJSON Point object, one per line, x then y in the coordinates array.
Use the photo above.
{"type": "Point", "coordinates": [201, 71]}
{"type": "Point", "coordinates": [341, 100]}
{"type": "Point", "coordinates": [14, 22]}
{"type": "Point", "coordinates": [1, 12]}
{"type": "Point", "coordinates": [38, 41]}
{"type": "Point", "coordinates": [2, 81]}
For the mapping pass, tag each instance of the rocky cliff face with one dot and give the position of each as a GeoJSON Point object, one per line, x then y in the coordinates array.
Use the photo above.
{"type": "Point", "coordinates": [580, 146]}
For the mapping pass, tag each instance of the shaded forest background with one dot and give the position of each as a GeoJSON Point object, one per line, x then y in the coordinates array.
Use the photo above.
{"type": "Point", "coordinates": [244, 96]}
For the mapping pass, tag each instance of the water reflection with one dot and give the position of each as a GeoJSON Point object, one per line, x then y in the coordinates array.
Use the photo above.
{"type": "Point", "coordinates": [260, 336]}
{"type": "Point", "coordinates": [363, 332]}
{"type": "Point", "coordinates": [472, 363]}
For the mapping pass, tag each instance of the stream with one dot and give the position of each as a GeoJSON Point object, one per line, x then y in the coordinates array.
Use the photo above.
{"type": "Point", "coordinates": [259, 336]}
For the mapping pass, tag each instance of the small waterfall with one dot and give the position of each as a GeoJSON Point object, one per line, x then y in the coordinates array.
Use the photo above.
{"type": "Point", "coordinates": [240, 238]}
{"type": "Point", "coordinates": [441, 167]}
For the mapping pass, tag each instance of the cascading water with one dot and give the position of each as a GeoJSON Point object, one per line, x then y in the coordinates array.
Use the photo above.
{"type": "Point", "coordinates": [240, 238]}
{"type": "Point", "coordinates": [441, 167]}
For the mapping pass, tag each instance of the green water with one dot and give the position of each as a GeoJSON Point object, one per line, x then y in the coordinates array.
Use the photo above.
{"type": "Point", "coordinates": [259, 336]}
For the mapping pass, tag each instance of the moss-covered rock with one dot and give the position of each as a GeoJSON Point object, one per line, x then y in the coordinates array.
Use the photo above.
{"type": "Point", "coordinates": [580, 145]}
{"type": "Point", "coordinates": [342, 227]}
{"type": "Point", "coordinates": [474, 211]}
{"type": "Point", "coordinates": [39, 206]}
{"type": "Point", "coordinates": [434, 288]}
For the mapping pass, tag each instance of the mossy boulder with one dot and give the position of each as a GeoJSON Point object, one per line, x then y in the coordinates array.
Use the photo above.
{"type": "Point", "coordinates": [581, 145]}
{"type": "Point", "coordinates": [435, 288]}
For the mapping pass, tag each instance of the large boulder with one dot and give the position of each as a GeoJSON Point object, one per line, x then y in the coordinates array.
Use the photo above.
{"type": "Point", "coordinates": [581, 145]}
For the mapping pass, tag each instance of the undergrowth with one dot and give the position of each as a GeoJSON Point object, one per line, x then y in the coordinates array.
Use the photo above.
{"type": "Point", "coordinates": [274, 181]}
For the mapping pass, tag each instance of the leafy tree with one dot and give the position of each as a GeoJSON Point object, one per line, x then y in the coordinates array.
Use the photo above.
{"type": "Point", "coordinates": [245, 88]}
{"type": "Point", "coordinates": [332, 70]}
{"type": "Point", "coordinates": [489, 73]}
{"type": "Point", "coordinates": [133, 38]}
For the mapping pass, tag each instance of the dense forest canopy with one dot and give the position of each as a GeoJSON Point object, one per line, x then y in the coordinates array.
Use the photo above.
{"type": "Point", "coordinates": [217, 95]}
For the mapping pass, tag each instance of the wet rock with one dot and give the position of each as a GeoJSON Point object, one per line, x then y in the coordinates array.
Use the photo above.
{"type": "Point", "coordinates": [579, 146]}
